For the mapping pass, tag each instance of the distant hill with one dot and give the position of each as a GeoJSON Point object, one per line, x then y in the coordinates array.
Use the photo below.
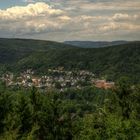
{"type": "Point", "coordinates": [12, 50]}
{"type": "Point", "coordinates": [111, 62]}
{"type": "Point", "coordinates": [94, 44]}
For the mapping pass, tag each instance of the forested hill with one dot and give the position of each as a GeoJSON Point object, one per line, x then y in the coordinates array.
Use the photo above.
{"type": "Point", "coordinates": [11, 50]}
{"type": "Point", "coordinates": [111, 62]}
{"type": "Point", "coordinates": [95, 44]}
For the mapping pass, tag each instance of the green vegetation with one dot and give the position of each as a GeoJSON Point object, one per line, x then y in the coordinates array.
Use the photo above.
{"type": "Point", "coordinates": [75, 114]}
{"type": "Point", "coordinates": [85, 114]}
{"type": "Point", "coordinates": [111, 62]}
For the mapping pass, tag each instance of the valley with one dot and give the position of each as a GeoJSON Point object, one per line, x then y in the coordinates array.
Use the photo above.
{"type": "Point", "coordinates": [54, 91]}
{"type": "Point", "coordinates": [17, 55]}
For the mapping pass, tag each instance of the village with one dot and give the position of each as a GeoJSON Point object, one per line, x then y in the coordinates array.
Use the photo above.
{"type": "Point", "coordinates": [55, 79]}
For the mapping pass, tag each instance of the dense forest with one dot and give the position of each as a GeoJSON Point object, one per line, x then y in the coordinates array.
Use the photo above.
{"type": "Point", "coordinates": [87, 114]}
{"type": "Point", "coordinates": [17, 55]}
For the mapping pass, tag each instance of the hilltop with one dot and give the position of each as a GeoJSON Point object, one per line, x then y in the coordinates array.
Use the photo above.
{"type": "Point", "coordinates": [94, 44]}
{"type": "Point", "coordinates": [110, 62]}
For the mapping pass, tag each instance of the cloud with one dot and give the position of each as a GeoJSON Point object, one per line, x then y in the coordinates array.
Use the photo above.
{"type": "Point", "coordinates": [29, 1]}
{"type": "Point", "coordinates": [101, 4]}
{"type": "Point", "coordinates": [31, 18]}
{"type": "Point", "coordinates": [112, 26]}
{"type": "Point", "coordinates": [32, 10]}
{"type": "Point", "coordinates": [71, 19]}
{"type": "Point", "coordinates": [119, 17]}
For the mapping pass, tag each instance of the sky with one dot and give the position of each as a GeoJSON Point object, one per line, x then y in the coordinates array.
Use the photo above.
{"type": "Point", "coordinates": [63, 20]}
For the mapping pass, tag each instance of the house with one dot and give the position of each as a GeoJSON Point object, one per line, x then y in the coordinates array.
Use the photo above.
{"type": "Point", "coordinates": [104, 84]}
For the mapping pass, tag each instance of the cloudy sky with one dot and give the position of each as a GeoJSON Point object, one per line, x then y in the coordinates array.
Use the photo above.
{"type": "Point", "coordinates": [61, 20]}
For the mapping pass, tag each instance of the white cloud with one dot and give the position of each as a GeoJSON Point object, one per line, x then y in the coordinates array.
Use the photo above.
{"type": "Point", "coordinates": [65, 18]}
{"type": "Point", "coordinates": [32, 10]}
{"type": "Point", "coordinates": [113, 26]}
{"type": "Point", "coordinates": [119, 16]}
{"type": "Point", "coordinates": [125, 17]}
{"type": "Point", "coordinates": [33, 18]}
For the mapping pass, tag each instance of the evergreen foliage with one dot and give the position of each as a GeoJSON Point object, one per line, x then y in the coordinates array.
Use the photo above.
{"type": "Point", "coordinates": [89, 114]}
